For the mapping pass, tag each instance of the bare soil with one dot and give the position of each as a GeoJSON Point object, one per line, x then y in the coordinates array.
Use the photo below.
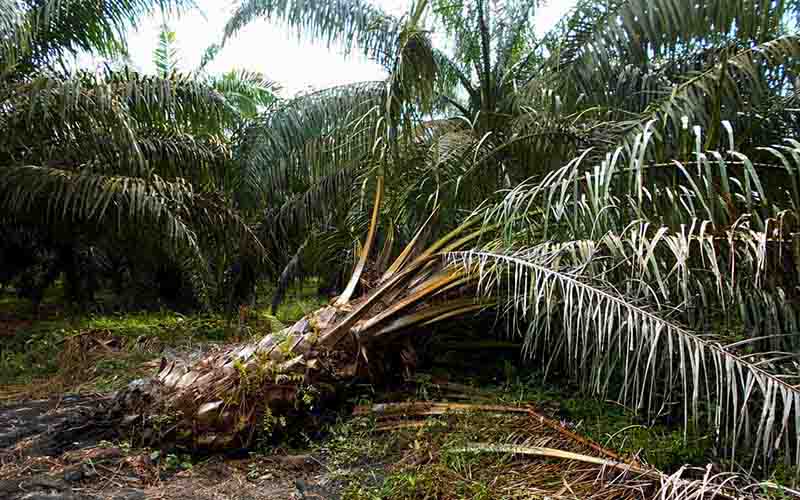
{"type": "Point", "coordinates": [50, 451]}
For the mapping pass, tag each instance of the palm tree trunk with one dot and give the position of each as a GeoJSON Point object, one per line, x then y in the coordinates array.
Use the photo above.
{"type": "Point", "coordinates": [229, 398]}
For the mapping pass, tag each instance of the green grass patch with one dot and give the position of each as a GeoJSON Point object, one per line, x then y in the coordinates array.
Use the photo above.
{"type": "Point", "coordinates": [298, 307]}
{"type": "Point", "coordinates": [300, 300]}
{"type": "Point", "coordinates": [114, 345]}
{"type": "Point", "coordinates": [110, 349]}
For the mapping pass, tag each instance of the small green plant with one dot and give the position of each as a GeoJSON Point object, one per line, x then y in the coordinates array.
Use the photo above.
{"type": "Point", "coordinates": [424, 386]}
{"type": "Point", "coordinates": [308, 396]}
{"type": "Point", "coordinates": [256, 472]}
{"type": "Point", "coordinates": [353, 440]}
{"type": "Point", "coordinates": [270, 423]}
{"type": "Point", "coordinates": [178, 462]}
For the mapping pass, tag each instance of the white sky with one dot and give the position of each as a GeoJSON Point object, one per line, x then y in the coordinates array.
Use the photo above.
{"type": "Point", "coordinates": [272, 49]}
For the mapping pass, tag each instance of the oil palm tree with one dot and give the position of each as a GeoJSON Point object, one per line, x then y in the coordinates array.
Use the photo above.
{"type": "Point", "coordinates": [639, 267]}
{"type": "Point", "coordinates": [114, 157]}
{"type": "Point", "coordinates": [248, 92]}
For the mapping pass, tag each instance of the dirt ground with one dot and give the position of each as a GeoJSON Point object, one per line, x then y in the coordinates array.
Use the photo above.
{"type": "Point", "coordinates": [47, 452]}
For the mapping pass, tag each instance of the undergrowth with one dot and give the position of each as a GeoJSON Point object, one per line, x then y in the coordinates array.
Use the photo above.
{"type": "Point", "coordinates": [57, 349]}
{"type": "Point", "coordinates": [426, 462]}
{"type": "Point", "coordinates": [64, 352]}
{"type": "Point", "coordinates": [661, 444]}
{"type": "Point", "coordinates": [103, 352]}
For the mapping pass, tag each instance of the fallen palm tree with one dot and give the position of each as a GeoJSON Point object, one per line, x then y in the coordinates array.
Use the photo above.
{"type": "Point", "coordinates": [582, 304]}
{"type": "Point", "coordinates": [229, 398]}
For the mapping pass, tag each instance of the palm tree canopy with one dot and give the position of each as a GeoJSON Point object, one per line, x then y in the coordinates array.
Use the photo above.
{"type": "Point", "coordinates": [88, 157]}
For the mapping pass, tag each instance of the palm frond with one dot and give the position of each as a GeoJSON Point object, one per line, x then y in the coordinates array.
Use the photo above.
{"type": "Point", "coordinates": [700, 97]}
{"type": "Point", "coordinates": [115, 121]}
{"type": "Point", "coordinates": [683, 267]}
{"type": "Point", "coordinates": [637, 30]}
{"type": "Point", "coordinates": [249, 92]}
{"type": "Point", "coordinates": [355, 24]}
{"type": "Point", "coordinates": [599, 334]}
{"type": "Point", "coordinates": [308, 138]}
{"type": "Point", "coordinates": [43, 32]}
{"type": "Point", "coordinates": [165, 55]}
{"type": "Point", "coordinates": [49, 196]}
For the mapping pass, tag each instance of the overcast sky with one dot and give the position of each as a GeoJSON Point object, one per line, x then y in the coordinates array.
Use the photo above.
{"type": "Point", "coordinates": [272, 49]}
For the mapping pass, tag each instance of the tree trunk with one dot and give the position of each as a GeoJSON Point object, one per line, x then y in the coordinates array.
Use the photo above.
{"type": "Point", "coordinates": [228, 398]}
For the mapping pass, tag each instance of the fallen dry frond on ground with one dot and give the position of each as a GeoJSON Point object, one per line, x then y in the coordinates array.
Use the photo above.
{"type": "Point", "coordinates": [515, 452]}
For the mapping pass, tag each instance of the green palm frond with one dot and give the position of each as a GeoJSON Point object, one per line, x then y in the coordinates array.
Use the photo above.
{"type": "Point", "coordinates": [452, 76]}
{"type": "Point", "coordinates": [110, 158]}
{"type": "Point", "coordinates": [308, 138]}
{"type": "Point", "coordinates": [146, 98]}
{"type": "Point", "coordinates": [42, 32]}
{"type": "Point", "coordinates": [660, 61]}
{"type": "Point", "coordinates": [658, 221]}
{"type": "Point", "coordinates": [245, 92]}
{"type": "Point", "coordinates": [640, 30]}
{"type": "Point", "coordinates": [701, 96]}
{"type": "Point", "coordinates": [414, 72]}
{"type": "Point", "coordinates": [459, 18]}
{"type": "Point", "coordinates": [49, 196]}
{"type": "Point", "coordinates": [167, 217]}
{"type": "Point", "coordinates": [514, 37]}
{"type": "Point", "coordinates": [85, 119]}
{"type": "Point", "coordinates": [178, 99]}
{"type": "Point", "coordinates": [683, 267]}
{"type": "Point", "coordinates": [165, 55]}
{"type": "Point", "coordinates": [322, 205]}
{"type": "Point", "coordinates": [355, 24]}
{"type": "Point", "coordinates": [249, 92]}
{"type": "Point", "coordinates": [211, 53]}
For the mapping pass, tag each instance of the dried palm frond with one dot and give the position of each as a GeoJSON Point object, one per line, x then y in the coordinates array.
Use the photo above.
{"type": "Point", "coordinates": [523, 454]}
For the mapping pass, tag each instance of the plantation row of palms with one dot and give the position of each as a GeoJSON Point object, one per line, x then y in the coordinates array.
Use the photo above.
{"type": "Point", "coordinates": [117, 173]}
{"type": "Point", "coordinates": [622, 193]}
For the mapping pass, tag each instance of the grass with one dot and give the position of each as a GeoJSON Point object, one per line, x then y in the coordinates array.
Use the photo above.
{"type": "Point", "coordinates": [419, 463]}
{"type": "Point", "coordinates": [426, 462]}
{"type": "Point", "coordinates": [70, 352]}
{"type": "Point", "coordinates": [505, 380]}
{"type": "Point", "coordinates": [103, 352]}
{"type": "Point", "coordinates": [299, 301]}
{"type": "Point", "coordinates": [616, 427]}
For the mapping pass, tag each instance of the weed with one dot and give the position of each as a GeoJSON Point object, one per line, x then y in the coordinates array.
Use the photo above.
{"type": "Point", "coordinates": [302, 300]}
{"type": "Point", "coordinates": [178, 462]}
